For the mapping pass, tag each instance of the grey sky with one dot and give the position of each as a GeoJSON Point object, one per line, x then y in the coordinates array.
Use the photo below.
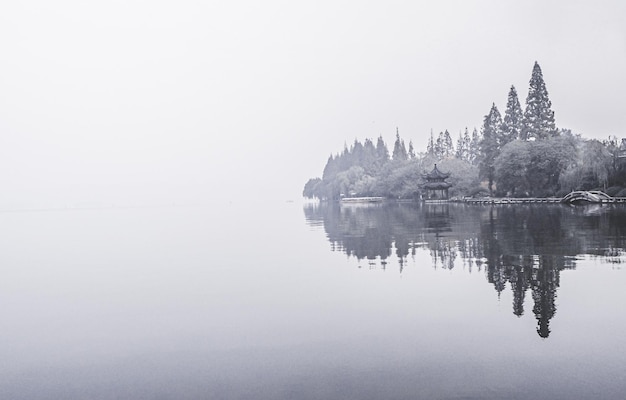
{"type": "Point", "coordinates": [164, 99]}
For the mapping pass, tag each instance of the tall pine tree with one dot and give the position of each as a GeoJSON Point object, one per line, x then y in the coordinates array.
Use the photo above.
{"type": "Point", "coordinates": [474, 149]}
{"type": "Point", "coordinates": [513, 117]}
{"type": "Point", "coordinates": [489, 145]}
{"type": "Point", "coordinates": [411, 150]}
{"type": "Point", "coordinates": [538, 122]}
{"type": "Point", "coordinates": [399, 149]}
{"type": "Point", "coordinates": [440, 146]}
{"type": "Point", "coordinates": [369, 159]}
{"type": "Point", "coordinates": [430, 148]}
{"type": "Point", "coordinates": [460, 147]}
{"type": "Point", "coordinates": [463, 146]}
{"type": "Point", "coordinates": [448, 149]}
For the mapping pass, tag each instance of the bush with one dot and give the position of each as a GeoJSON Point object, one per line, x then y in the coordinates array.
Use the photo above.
{"type": "Point", "coordinates": [478, 191]}
{"type": "Point", "coordinates": [621, 193]}
{"type": "Point", "coordinates": [613, 190]}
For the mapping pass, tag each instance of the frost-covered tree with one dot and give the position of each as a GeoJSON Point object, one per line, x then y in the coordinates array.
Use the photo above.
{"type": "Point", "coordinates": [513, 117]}
{"type": "Point", "coordinates": [490, 145]}
{"type": "Point", "coordinates": [538, 122]}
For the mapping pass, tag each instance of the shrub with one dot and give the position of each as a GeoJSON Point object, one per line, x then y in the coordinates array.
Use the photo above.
{"type": "Point", "coordinates": [621, 193]}
{"type": "Point", "coordinates": [478, 191]}
{"type": "Point", "coordinates": [613, 190]}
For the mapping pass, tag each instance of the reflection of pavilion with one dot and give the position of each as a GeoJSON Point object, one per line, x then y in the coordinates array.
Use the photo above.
{"type": "Point", "coordinates": [436, 186]}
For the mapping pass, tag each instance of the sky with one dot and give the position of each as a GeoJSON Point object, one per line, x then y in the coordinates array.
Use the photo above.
{"type": "Point", "coordinates": [154, 102]}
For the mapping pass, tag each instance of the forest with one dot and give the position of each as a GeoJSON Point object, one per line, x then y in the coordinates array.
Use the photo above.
{"type": "Point", "coordinates": [520, 154]}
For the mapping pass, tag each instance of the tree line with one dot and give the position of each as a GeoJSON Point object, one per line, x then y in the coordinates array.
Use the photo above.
{"type": "Point", "coordinates": [520, 154]}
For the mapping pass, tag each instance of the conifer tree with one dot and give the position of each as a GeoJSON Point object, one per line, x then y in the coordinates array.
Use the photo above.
{"type": "Point", "coordinates": [448, 146]}
{"type": "Point", "coordinates": [330, 170]}
{"type": "Point", "coordinates": [538, 121]}
{"type": "Point", "coordinates": [467, 143]}
{"type": "Point", "coordinates": [440, 146]}
{"type": "Point", "coordinates": [399, 150]}
{"type": "Point", "coordinates": [356, 153]}
{"type": "Point", "coordinates": [513, 117]}
{"type": "Point", "coordinates": [411, 150]}
{"type": "Point", "coordinates": [489, 145]}
{"type": "Point", "coordinates": [474, 149]}
{"type": "Point", "coordinates": [369, 159]}
{"type": "Point", "coordinates": [382, 153]}
{"type": "Point", "coordinates": [463, 146]}
{"type": "Point", "coordinates": [459, 147]}
{"type": "Point", "coordinates": [430, 148]}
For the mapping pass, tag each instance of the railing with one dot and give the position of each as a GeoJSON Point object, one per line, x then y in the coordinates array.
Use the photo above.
{"type": "Point", "coordinates": [593, 196]}
{"type": "Point", "coordinates": [513, 200]}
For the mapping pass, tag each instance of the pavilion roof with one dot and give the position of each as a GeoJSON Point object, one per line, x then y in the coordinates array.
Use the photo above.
{"type": "Point", "coordinates": [435, 174]}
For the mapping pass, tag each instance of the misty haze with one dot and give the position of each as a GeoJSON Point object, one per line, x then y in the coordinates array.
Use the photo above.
{"type": "Point", "coordinates": [334, 200]}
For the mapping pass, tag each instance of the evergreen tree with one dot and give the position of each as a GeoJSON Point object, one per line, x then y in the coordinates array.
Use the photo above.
{"type": "Point", "coordinates": [513, 117]}
{"type": "Point", "coordinates": [448, 146]}
{"type": "Point", "coordinates": [463, 146]}
{"type": "Point", "coordinates": [399, 150]}
{"type": "Point", "coordinates": [331, 168]}
{"type": "Point", "coordinates": [440, 146]}
{"type": "Point", "coordinates": [459, 147]}
{"type": "Point", "coordinates": [489, 145]}
{"type": "Point", "coordinates": [474, 149]}
{"type": "Point", "coordinates": [369, 159]}
{"type": "Point", "coordinates": [538, 121]}
{"type": "Point", "coordinates": [411, 150]}
{"type": "Point", "coordinates": [356, 153]}
{"type": "Point", "coordinates": [467, 144]}
{"type": "Point", "coordinates": [430, 148]}
{"type": "Point", "coordinates": [382, 153]}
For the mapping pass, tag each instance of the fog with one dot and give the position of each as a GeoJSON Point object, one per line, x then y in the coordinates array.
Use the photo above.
{"type": "Point", "coordinates": [136, 102]}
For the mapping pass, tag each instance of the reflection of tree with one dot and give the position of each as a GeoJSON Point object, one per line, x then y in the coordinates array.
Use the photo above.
{"type": "Point", "coordinates": [520, 281]}
{"type": "Point", "coordinates": [544, 284]}
{"type": "Point", "coordinates": [525, 247]}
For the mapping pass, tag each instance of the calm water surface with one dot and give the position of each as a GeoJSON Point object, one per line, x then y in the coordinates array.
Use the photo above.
{"type": "Point", "coordinates": [277, 301]}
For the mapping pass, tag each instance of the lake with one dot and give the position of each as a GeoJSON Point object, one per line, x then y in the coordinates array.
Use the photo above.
{"type": "Point", "coordinates": [315, 301]}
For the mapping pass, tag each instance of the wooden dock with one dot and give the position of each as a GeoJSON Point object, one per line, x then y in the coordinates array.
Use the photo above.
{"type": "Point", "coordinates": [362, 200]}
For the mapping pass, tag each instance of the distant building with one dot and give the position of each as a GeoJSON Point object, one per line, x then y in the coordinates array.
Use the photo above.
{"type": "Point", "coordinates": [436, 186]}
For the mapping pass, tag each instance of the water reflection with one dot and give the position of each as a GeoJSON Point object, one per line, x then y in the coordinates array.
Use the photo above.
{"type": "Point", "coordinates": [525, 246]}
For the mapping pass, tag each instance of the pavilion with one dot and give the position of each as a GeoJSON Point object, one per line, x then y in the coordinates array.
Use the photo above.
{"type": "Point", "coordinates": [436, 186]}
